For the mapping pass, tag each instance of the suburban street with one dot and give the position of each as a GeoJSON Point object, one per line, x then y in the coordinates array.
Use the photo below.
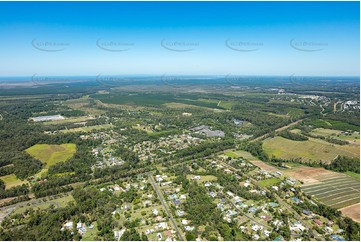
{"type": "Point", "coordinates": [165, 205]}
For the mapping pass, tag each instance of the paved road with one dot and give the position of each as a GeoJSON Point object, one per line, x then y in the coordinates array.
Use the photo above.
{"type": "Point", "coordinates": [164, 203]}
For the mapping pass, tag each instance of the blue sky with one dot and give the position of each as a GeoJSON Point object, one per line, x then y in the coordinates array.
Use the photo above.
{"type": "Point", "coordinates": [190, 38]}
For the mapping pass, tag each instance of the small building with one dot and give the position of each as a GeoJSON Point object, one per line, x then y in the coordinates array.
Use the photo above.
{"type": "Point", "coordinates": [273, 204]}
{"type": "Point", "coordinates": [296, 200]}
{"type": "Point", "coordinates": [337, 238]}
{"type": "Point", "coordinates": [318, 222]}
{"type": "Point", "coordinates": [180, 213]}
{"type": "Point", "coordinates": [307, 212]}
{"type": "Point", "coordinates": [155, 212]}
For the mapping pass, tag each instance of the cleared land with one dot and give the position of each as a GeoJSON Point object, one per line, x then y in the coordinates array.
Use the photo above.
{"type": "Point", "coordinates": [87, 128]}
{"type": "Point", "coordinates": [312, 149]}
{"type": "Point", "coordinates": [189, 106]}
{"type": "Point", "coordinates": [231, 154]}
{"type": "Point", "coordinates": [310, 175]}
{"type": "Point", "coordinates": [59, 202]}
{"type": "Point", "coordinates": [352, 211]}
{"type": "Point", "coordinates": [202, 178]}
{"type": "Point", "coordinates": [69, 120]}
{"type": "Point", "coordinates": [143, 128]}
{"type": "Point", "coordinates": [264, 166]}
{"type": "Point", "coordinates": [241, 153]}
{"type": "Point", "coordinates": [269, 182]}
{"type": "Point", "coordinates": [52, 154]}
{"type": "Point", "coordinates": [84, 104]}
{"type": "Point", "coordinates": [352, 137]}
{"type": "Point", "coordinates": [91, 234]}
{"type": "Point", "coordinates": [11, 181]}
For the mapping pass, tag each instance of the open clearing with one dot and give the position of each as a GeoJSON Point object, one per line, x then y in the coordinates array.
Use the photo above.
{"type": "Point", "coordinates": [52, 154]}
{"type": "Point", "coordinates": [264, 166]}
{"type": "Point", "coordinates": [84, 104]}
{"type": "Point", "coordinates": [11, 181]}
{"type": "Point", "coordinates": [310, 175]}
{"type": "Point", "coordinates": [91, 234]}
{"type": "Point", "coordinates": [353, 137]}
{"type": "Point", "coordinates": [231, 154]}
{"type": "Point", "coordinates": [240, 153]}
{"type": "Point", "coordinates": [189, 106]}
{"type": "Point", "coordinates": [59, 202]}
{"type": "Point", "coordinates": [69, 120]}
{"type": "Point", "coordinates": [269, 182]}
{"type": "Point", "coordinates": [143, 128]}
{"type": "Point", "coordinates": [87, 128]}
{"type": "Point", "coordinates": [202, 178]}
{"type": "Point", "coordinates": [312, 149]}
{"type": "Point", "coordinates": [352, 211]}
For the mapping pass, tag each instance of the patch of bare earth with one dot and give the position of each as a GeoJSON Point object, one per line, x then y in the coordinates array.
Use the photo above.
{"type": "Point", "coordinates": [309, 175]}
{"type": "Point", "coordinates": [264, 166]}
{"type": "Point", "coordinates": [352, 211]}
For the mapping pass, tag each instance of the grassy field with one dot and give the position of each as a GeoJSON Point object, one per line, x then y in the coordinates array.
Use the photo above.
{"type": "Point", "coordinates": [337, 192]}
{"type": "Point", "coordinates": [143, 128]}
{"type": "Point", "coordinates": [279, 115]}
{"type": "Point", "coordinates": [337, 134]}
{"type": "Point", "coordinates": [84, 105]}
{"type": "Point", "coordinates": [269, 182]}
{"type": "Point", "coordinates": [90, 234]}
{"type": "Point", "coordinates": [203, 178]}
{"type": "Point", "coordinates": [231, 154]}
{"type": "Point", "coordinates": [353, 174]}
{"type": "Point", "coordinates": [190, 107]}
{"type": "Point", "coordinates": [240, 153]}
{"type": "Point", "coordinates": [226, 104]}
{"type": "Point", "coordinates": [59, 202]}
{"type": "Point", "coordinates": [69, 120]}
{"type": "Point", "coordinates": [87, 128]}
{"type": "Point", "coordinates": [331, 124]}
{"type": "Point", "coordinates": [52, 154]}
{"type": "Point", "coordinates": [312, 149]}
{"type": "Point", "coordinates": [11, 181]}
{"type": "Point", "coordinates": [155, 99]}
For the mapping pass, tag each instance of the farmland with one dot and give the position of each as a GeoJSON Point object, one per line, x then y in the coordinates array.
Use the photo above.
{"type": "Point", "coordinates": [312, 149]}
{"type": "Point", "coordinates": [52, 154]}
{"type": "Point", "coordinates": [337, 192]}
{"type": "Point", "coordinates": [202, 185]}
{"type": "Point", "coordinates": [353, 137]}
{"type": "Point", "coordinates": [352, 211]}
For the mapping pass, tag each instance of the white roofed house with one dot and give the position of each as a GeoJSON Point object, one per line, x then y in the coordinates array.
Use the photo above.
{"type": "Point", "coordinates": [162, 225]}
{"type": "Point", "coordinates": [118, 234]}
{"type": "Point", "coordinates": [155, 211]}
